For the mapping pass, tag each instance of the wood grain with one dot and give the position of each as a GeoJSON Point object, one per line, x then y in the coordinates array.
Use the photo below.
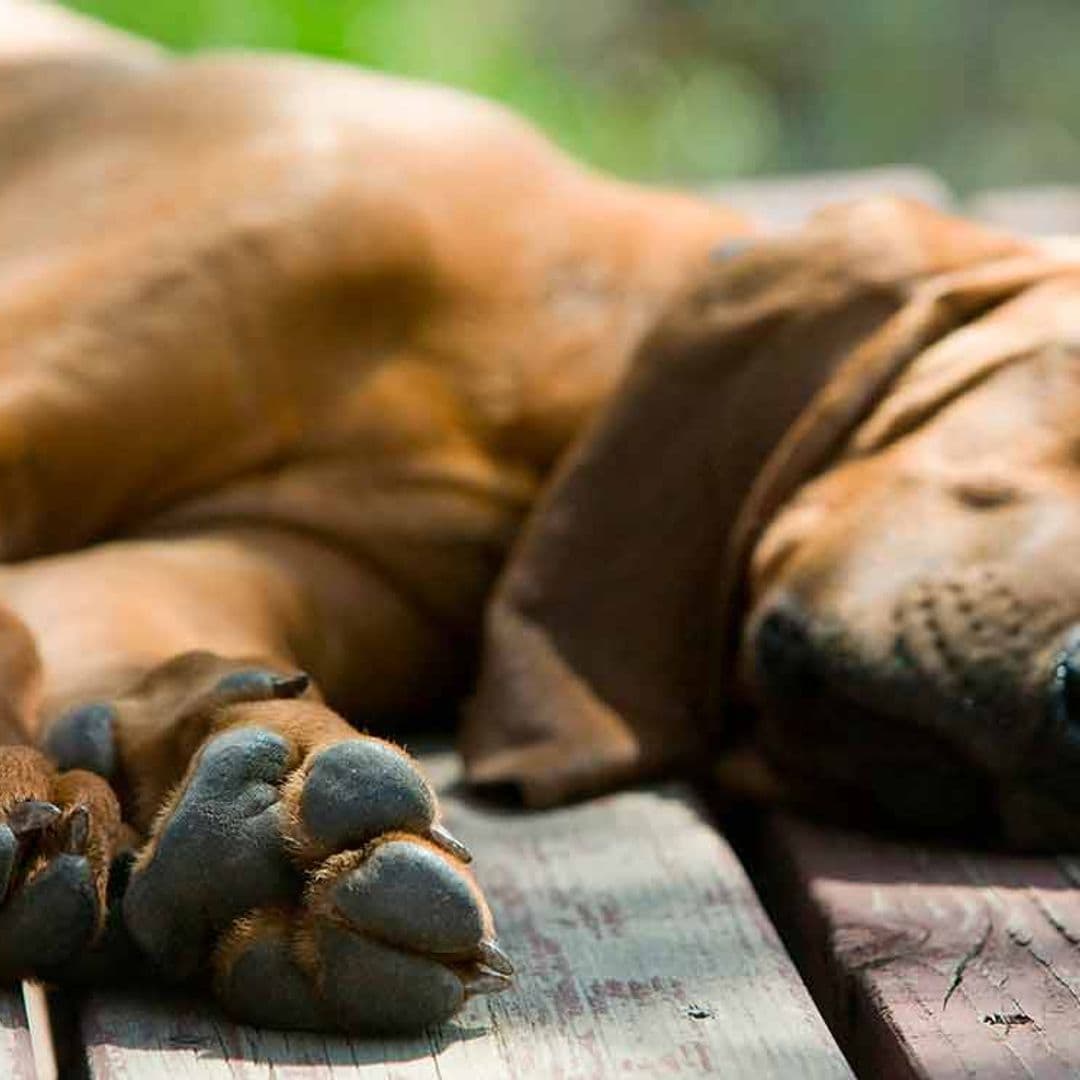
{"type": "Point", "coordinates": [35, 1005]}
{"type": "Point", "coordinates": [931, 962]}
{"type": "Point", "coordinates": [641, 947]}
{"type": "Point", "coordinates": [16, 1050]}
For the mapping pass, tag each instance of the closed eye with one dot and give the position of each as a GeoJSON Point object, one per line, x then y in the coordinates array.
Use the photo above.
{"type": "Point", "coordinates": [986, 493]}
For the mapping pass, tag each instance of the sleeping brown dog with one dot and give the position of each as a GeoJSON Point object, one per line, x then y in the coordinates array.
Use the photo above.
{"type": "Point", "coordinates": [290, 352]}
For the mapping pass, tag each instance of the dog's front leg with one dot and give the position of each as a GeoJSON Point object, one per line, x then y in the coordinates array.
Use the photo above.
{"type": "Point", "coordinates": [300, 865]}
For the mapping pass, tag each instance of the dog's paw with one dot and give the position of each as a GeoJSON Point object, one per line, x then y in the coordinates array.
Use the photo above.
{"type": "Point", "coordinates": [305, 868]}
{"type": "Point", "coordinates": [58, 834]}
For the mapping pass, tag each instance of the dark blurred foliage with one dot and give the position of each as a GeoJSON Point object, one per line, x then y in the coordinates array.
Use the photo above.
{"type": "Point", "coordinates": [985, 91]}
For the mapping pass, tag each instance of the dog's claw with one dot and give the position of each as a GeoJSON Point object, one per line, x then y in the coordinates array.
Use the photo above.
{"type": "Point", "coordinates": [78, 831]}
{"type": "Point", "coordinates": [441, 836]}
{"type": "Point", "coordinates": [9, 853]}
{"type": "Point", "coordinates": [485, 982]}
{"type": "Point", "coordinates": [259, 684]}
{"type": "Point", "coordinates": [32, 815]}
{"type": "Point", "coordinates": [291, 686]}
{"type": "Point", "coordinates": [491, 956]}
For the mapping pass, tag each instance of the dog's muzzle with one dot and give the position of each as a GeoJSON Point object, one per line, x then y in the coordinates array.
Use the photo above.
{"type": "Point", "coordinates": [938, 730]}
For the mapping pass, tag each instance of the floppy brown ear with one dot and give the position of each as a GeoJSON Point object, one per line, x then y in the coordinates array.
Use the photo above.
{"type": "Point", "coordinates": [601, 641]}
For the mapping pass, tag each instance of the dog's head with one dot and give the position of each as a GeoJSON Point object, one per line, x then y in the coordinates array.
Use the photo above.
{"type": "Point", "coordinates": [914, 610]}
{"type": "Point", "coordinates": [841, 485]}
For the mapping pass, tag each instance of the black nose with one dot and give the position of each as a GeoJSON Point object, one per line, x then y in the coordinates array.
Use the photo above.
{"type": "Point", "coordinates": [785, 654]}
{"type": "Point", "coordinates": [1065, 693]}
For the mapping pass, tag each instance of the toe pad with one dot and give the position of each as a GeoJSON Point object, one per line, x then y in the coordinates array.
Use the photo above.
{"type": "Point", "coordinates": [357, 789]}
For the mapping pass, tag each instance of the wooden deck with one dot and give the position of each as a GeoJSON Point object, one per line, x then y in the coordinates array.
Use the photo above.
{"type": "Point", "coordinates": [642, 947]}
{"type": "Point", "coordinates": [17, 1057]}
{"type": "Point", "coordinates": [933, 962]}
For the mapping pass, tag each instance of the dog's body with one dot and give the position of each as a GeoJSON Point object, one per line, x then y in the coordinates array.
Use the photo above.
{"type": "Point", "coordinates": [288, 350]}
{"type": "Point", "coordinates": [288, 353]}
{"type": "Point", "coordinates": [369, 313]}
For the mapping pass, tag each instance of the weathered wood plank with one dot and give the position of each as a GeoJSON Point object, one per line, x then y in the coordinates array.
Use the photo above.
{"type": "Point", "coordinates": [641, 947]}
{"type": "Point", "coordinates": [1049, 210]}
{"type": "Point", "coordinates": [43, 1053]}
{"type": "Point", "coordinates": [931, 962]}
{"type": "Point", "coordinates": [16, 1046]}
{"type": "Point", "coordinates": [783, 201]}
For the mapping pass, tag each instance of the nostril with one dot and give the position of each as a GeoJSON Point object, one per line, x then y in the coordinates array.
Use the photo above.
{"type": "Point", "coordinates": [784, 653]}
{"type": "Point", "coordinates": [1065, 690]}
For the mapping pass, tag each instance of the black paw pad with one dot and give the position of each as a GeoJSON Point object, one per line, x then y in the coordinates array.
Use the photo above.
{"type": "Point", "coordinates": [82, 738]}
{"type": "Point", "coordinates": [219, 854]}
{"type": "Point", "coordinates": [361, 788]}
{"type": "Point", "coordinates": [265, 986]}
{"type": "Point", "coordinates": [379, 988]}
{"type": "Point", "coordinates": [406, 894]}
{"type": "Point", "coordinates": [49, 919]}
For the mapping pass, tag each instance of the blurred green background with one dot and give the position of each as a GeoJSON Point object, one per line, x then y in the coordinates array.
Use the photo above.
{"type": "Point", "coordinates": [987, 92]}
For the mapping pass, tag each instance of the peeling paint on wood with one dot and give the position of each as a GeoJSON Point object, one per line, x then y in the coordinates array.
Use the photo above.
{"type": "Point", "coordinates": [641, 947]}
{"type": "Point", "coordinates": [931, 962]}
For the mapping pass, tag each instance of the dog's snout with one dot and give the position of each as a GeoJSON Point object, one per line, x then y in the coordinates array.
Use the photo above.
{"type": "Point", "coordinates": [784, 653]}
